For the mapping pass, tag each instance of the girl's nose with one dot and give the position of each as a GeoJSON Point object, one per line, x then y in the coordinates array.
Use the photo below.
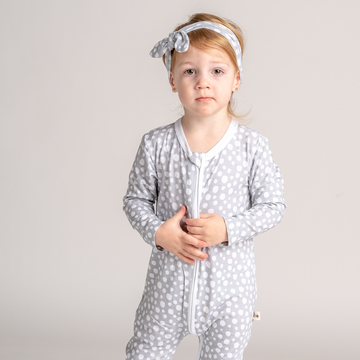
{"type": "Point", "coordinates": [202, 81]}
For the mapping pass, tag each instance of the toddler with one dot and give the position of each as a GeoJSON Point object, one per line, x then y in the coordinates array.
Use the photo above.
{"type": "Point", "coordinates": [200, 189]}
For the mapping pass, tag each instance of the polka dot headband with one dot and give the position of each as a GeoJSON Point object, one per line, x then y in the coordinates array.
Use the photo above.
{"type": "Point", "coordinates": [179, 41]}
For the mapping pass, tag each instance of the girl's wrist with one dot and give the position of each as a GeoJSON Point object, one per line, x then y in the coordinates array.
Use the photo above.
{"type": "Point", "coordinates": [226, 239]}
{"type": "Point", "coordinates": [156, 236]}
{"type": "Point", "coordinates": [157, 245]}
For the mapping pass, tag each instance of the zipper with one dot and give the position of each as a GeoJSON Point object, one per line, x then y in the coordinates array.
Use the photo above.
{"type": "Point", "coordinates": [193, 288]}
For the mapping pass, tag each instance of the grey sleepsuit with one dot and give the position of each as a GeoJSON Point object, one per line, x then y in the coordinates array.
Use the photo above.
{"type": "Point", "coordinates": [215, 298]}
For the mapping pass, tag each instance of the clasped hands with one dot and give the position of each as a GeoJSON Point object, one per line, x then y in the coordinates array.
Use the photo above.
{"type": "Point", "coordinates": [208, 230]}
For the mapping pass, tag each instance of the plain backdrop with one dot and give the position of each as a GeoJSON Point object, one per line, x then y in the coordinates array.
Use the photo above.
{"type": "Point", "coordinates": [78, 91]}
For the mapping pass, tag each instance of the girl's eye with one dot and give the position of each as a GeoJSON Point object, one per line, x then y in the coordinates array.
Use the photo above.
{"type": "Point", "coordinates": [192, 71]}
{"type": "Point", "coordinates": [220, 71]}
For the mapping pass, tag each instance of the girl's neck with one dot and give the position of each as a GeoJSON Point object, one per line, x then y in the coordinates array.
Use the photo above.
{"type": "Point", "coordinates": [202, 134]}
{"type": "Point", "coordinates": [205, 125]}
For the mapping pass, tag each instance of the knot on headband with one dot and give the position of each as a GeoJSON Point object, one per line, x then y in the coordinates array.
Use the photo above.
{"type": "Point", "coordinates": [177, 40]}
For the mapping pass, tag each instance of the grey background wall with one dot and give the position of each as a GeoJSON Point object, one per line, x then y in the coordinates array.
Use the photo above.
{"type": "Point", "coordinates": [78, 90]}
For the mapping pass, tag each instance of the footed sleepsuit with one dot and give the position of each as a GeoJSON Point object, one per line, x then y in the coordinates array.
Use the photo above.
{"type": "Point", "coordinates": [215, 298]}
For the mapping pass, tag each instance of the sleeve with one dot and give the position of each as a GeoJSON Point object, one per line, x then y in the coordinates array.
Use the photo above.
{"type": "Point", "coordinates": [266, 195]}
{"type": "Point", "coordinates": [138, 202]}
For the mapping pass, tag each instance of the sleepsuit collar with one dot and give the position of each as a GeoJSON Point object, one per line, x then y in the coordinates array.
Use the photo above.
{"type": "Point", "coordinates": [194, 156]}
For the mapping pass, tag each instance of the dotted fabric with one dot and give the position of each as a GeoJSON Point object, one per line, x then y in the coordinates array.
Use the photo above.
{"type": "Point", "coordinates": [179, 41]}
{"type": "Point", "coordinates": [241, 183]}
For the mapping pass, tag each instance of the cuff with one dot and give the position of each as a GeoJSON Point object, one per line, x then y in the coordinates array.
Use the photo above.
{"type": "Point", "coordinates": [151, 235]}
{"type": "Point", "coordinates": [232, 226]}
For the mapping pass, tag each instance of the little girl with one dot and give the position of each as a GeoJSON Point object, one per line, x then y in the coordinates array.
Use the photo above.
{"type": "Point", "coordinates": [216, 187]}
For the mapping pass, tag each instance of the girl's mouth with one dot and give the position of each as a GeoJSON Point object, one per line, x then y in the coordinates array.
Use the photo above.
{"type": "Point", "coordinates": [204, 99]}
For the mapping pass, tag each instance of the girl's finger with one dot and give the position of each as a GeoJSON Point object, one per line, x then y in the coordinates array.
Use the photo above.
{"type": "Point", "coordinates": [192, 240]}
{"type": "Point", "coordinates": [194, 230]}
{"type": "Point", "coordinates": [184, 258]}
{"type": "Point", "coordinates": [206, 216]}
{"type": "Point", "coordinates": [199, 237]}
{"type": "Point", "coordinates": [194, 253]}
{"type": "Point", "coordinates": [195, 222]}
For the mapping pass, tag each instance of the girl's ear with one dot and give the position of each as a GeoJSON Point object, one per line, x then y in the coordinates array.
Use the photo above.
{"type": "Point", "coordinates": [172, 79]}
{"type": "Point", "coordinates": [172, 82]}
{"type": "Point", "coordinates": [237, 81]}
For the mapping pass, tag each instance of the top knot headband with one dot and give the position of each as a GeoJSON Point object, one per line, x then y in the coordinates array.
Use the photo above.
{"type": "Point", "coordinates": [179, 41]}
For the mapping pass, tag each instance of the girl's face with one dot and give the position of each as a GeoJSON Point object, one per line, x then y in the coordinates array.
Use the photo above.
{"type": "Point", "coordinates": [204, 81]}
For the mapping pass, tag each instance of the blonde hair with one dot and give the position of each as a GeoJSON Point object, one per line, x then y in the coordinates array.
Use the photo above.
{"type": "Point", "coordinates": [205, 39]}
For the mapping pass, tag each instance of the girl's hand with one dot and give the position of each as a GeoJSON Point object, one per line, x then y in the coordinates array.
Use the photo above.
{"type": "Point", "coordinates": [210, 228]}
{"type": "Point", "coordinates": [173, 238]}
